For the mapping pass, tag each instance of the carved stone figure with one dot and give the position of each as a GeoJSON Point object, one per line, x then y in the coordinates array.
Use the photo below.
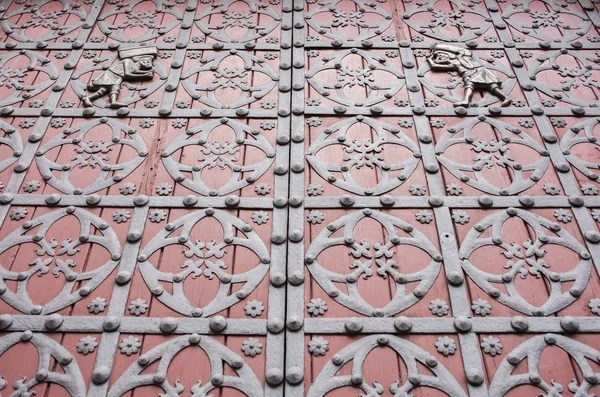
{"type": "Point", "coordinates": [136, 65]}
{"type": "Point", "coordinates": [474, 75]}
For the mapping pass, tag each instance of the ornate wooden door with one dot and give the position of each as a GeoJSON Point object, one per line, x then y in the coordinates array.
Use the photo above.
{"type": "Point", "coordinates": [299, 198]}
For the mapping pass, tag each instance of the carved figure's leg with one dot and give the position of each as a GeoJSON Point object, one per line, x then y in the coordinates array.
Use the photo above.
{"type": "Point", "coordinates": [467, 100]}
{"type": "Point", "coordinates": [114, 93]}
{"type": "Point", "coordinates": [498, 92]}
{"type": "Point", "coordinates": [87, 100]}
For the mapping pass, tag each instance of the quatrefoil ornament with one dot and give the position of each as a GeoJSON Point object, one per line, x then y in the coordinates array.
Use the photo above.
{"type": "Point", "coordinates": [153, 23]}
{"type": "Point", "coordinates": [569, 76]}
{"type": "Point", "coordinates": [11, 138]}
{"type": "Point", "coordinates": [386, 255]}
{"type": "Point", "coordinates": [203, 258]}
{"type": "Point", "coordinates": [507, 381]}
{"type": "Point", "coordinates": [25, 74]}
{"type": "Point", "coordinates": [206, 79]}
{"type": "Point", "coordinates": [330, 17]}
{"type": "Point", "coordinates": [527, 17]}
{"type": "Point", "coordinates": [449, 21]}
{"type": "Point", "coordinates": [394, 171]}
{"type": "Point", "coordinates": [222, 361]}
{"type": "Point", "coordinates": [576, 145]}
{"type": "Point", "coordinates": [55, 362]}
{"type": "Point", "coordinates": [217, 155]}
{"type": "Point", "coordinates": [355, 355]}
{"type": "Point", "coordinates": [380, 78]}
{"type": "Point", "coordinates": [527, 259]}
{"type": "Point", "coordinates": [220, 20]}
{"type": "Point", "coordinates": [91, 153]}
{"type": "Point", "coordinates": [48, 22]}
{"type": "Point", "coordinates": [92, 230]}
{"type": "Point", "coordinates": [488, 154]}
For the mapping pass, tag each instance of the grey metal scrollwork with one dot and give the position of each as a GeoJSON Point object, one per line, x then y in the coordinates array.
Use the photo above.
{"type": "Point", "coordinates": [580, 355]}
{"type": "Point", "coordinates": [398, 233]}
{"type": "Point", "coordinates": [527, 260]}
{"type": "Point", "coordinates": [232, 18]}
{"type": "Point", "coordinates": [380, 88]}
{"type": "Point", "coordinates": [218, 154]}
{"type": "Point", "coordinates": [219, 356]}
{"type": "Point", "coordinates": [91, 153]}
{"type": "Point", "coordinates": [355, 356]}
{"type": "Point", "coordinates": [327, 17]}
{"type": "Point", "coordinates": [224, 76]}
{"type": "Point", "coordinates": [394, 172]}
{"type": "Point", "coordinates": [50, 354]}
{"type": "Point", "coordinates": [489, 154]}
{"type": "Point", "coordinates": [205, 255]}
{"type": "Point", "coordinates": [77, 283]}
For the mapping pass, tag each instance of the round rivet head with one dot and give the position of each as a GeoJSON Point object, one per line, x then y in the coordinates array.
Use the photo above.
{"type": "Point", "coordinates": [218, 323]}
{"type": "Point", "coordinates": [168, 324]}
{"type": "Point", "coordinates": [295, 201]}
{"type": "Point", "coordinates": [123, 277]}
{"type": "Point", "coordinates": [514, 360]}
{"type": "Point", "coordinates": [461, 111]}
{"type": "Point", "coordinates": [592, 236]}
{"type": "Point", "coordinates": [562, 167]}
{"type": "Point", "coordinates": [194, 339]}
{"type": "Point", "coordinates": [592, 379]}
{"type": "Point", "coordinates": [576, 201]}
{"type": "Point", "coordinates": [535, 379]}
{"type": "Point", "coordinates": [357, 379]}
{"type": "Point", "coordinates": [278, 279]}
{"type": "Point", "coordinates": [294, 323]}
{"type": "Point", "coordinates": [526, 201]}
{"type": "Point", "coordinates": [134, 236]}
{"type": "Point", "coordinates": [576, 292]}
{"type": "Point", "coordinates": [474, 376]}
{"type": "Point", "coordinates": [141, 200]}
{"type": "Point", "coordinates": [403, 324]}
{"type": "Point", "coordinates": [275, 325]}
{"type": "Point", "coordinates": [455, 278]}
{"type": "Point", "coordinates": [462, 324]}
{"type": "Point", "coordinates": [550, 339]}
{"type": "Point", "coordinates": [53, 321]}
{"type": "Point", "coordinates": [100, 374]}
{"type": "Point", "coordinates": [232, 201]}
{"type": "Point", "coordinates": [190, 200]}
{"type": "Point", "coordinates": [5, 321]}
{"type": "Point", "coordinates": [92, 199]}
{"type": "Point", "coordinates": [519, 323]}
{"type": "Point", "coordinates": [347, 201]}
{"type": "Point", "coordinates": [436, 201]}
{"type": "Point", "coordinates": [53, 199]}
{"type": "Point", "coordinates": [111, 323]}
{"type": "Point", "coordinates": [278, 238]}
{"type": "Point", "coordinates": [159, 378]}
{"type": "Point", "coordinates": [296, 278]}
{"type": "Point", "coordinates": [569, 324]}
{"type": "Point", "coordinates": [6, 198]}
{"type": "Point", "coordinates": [84, 291]}
{"type": "Point", "coordinates": [414, 380]}
{"type": "Point", "coordinates": [353, 325]}
{"type": "Point", "coordinates": [425, 138]}
{"type": "Point", "coordinates": [217, 380]}
{"type": "Point", "coordinates": [274, 376]}
{"type": "Point", "coordinates": [337, 359]}
{"type": "Point", "coordinates": [387, 200]}
{"type": "Point", "coordinates": [431, 362]}
{"type": "Point", "coordinates": [26, 335]}
{"type": "Point", "coordinates": [485, 201]}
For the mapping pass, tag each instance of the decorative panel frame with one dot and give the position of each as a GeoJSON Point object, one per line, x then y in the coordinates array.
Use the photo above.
{"type": "Point", "coordinates": [555, 194]}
